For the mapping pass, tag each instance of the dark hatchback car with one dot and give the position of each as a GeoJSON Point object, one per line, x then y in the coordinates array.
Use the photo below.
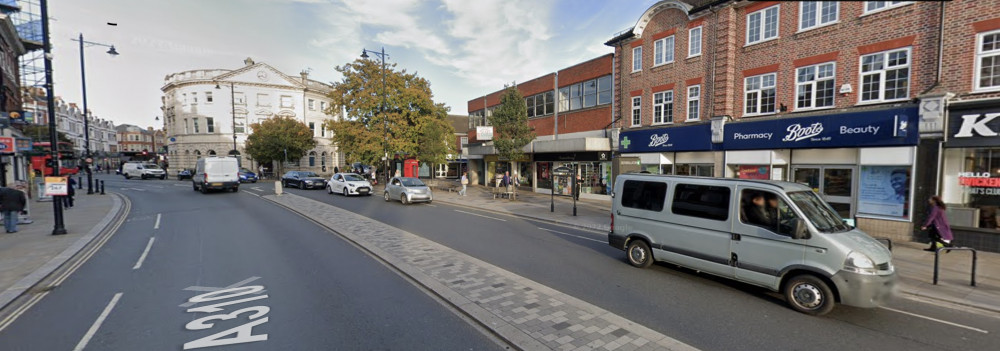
{"type": "Point", "coordinates": [247, 176]}
{"type": "Point", "coordinates": [185, 174]}
{"type": "Point", "coordinates": [303, 180]}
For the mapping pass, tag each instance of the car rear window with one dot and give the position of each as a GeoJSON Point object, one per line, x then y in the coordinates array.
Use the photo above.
{"type": "Point", "coordinates": [702, 201]}
{"type": "Point", "coordinates": [644, 195]}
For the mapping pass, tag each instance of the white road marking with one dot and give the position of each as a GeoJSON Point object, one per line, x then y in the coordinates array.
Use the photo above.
{"type": "Point", "coordinates": [431, 205]}
{"type": "Point", "coordinates": [476, 214]}
{"type": "Point", "coordinates": [138, 264]}
{"type": "Point", "coordinates": [97, 324]}
{"type": "Point", "coordinates": [573, 235]}
{"type": "Point", "coordinates": [251, 194]}
{"type": "Point", "coordinates": [180, 185]}
{"type": "Point", "coordinates": [937, 320]}
{"type": "Point", "coordinates": [157, 225]}
{"type": "Point", "coordinates": [257, 188]}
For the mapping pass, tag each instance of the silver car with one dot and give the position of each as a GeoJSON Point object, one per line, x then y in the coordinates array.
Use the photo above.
{"type": "Point", "coordinates": [408, 190]}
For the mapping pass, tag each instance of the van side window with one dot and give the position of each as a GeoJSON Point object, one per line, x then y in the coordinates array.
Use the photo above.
{"type": "Point", "coordinates": [766, 209]}
{"type": "Point", "coordinates": [702, 201]}
{"type": "Point", "coordinates": [642, 195]}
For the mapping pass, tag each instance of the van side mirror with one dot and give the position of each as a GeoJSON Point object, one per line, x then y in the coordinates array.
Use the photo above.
{"type": "Point", "coordinates": [799, 229]}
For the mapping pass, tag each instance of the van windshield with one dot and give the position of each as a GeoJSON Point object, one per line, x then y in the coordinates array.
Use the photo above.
{"type": "Point", "coordinates": [822, 216]}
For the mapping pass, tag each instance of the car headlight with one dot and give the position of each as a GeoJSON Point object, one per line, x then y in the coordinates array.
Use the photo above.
{"type": "Point", "coordinates": [351, 185]}
{"type": "Point", "coordinates": [859, 263]}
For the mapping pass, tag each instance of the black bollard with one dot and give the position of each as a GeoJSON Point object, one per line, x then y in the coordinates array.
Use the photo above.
{"type": "Point", "coordinates": [79, 182]}
{"type": "Point", "coordinates": [102, 187]}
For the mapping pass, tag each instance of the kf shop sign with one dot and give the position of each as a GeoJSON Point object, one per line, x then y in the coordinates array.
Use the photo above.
{"type": "Point", "coordinates": [973, 127]}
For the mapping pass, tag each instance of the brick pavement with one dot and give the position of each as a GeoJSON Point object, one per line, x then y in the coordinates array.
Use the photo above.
{"type": "Point", "coordinates": [527, 314]}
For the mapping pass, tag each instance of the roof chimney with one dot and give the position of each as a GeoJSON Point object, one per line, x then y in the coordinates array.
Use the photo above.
{"type": "Point", "coordinates": [305, 76]}
{"type": "Point", "coordinates": [248, 61]}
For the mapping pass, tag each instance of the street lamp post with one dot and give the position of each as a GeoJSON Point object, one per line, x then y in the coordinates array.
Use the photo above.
{"type": "Point", "coordinates": [59, 228]}
{"type": "Point", "coordinates": [232, 101]}
{"type": "Point", "coordinates": [385, 145]}
{"type": "Point", "coordinates": [86, 116]}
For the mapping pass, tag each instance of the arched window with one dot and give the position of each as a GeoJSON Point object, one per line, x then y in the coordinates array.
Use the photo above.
{"type": "Point", "coordinates": [312, 159]}
{"type": "Point", "coordinates": [211, 152]}
{"type": "Point", "coordinates": [322, 159]}
{"type": "Point", "coordinates": [197, 154]}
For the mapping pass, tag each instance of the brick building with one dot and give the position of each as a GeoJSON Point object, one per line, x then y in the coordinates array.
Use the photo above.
{"type": "Point", "coordinates": [570, 112]}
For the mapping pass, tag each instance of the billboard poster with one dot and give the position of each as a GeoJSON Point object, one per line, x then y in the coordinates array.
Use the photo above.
{"type": "Point", "coordinates": [884, 191]}
{"type": "Point", "coordinates": [754, 172]}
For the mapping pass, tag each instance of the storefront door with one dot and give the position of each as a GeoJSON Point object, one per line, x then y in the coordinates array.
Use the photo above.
{"type": "Point", "coordinates": [835, 184]}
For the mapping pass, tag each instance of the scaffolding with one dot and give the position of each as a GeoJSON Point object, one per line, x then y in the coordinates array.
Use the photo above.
{"type": "Point", "coordinates": [28, 22]}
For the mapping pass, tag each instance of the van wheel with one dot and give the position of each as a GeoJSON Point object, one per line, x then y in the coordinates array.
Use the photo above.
{"type": "Point", "coordinates": [236, 189]}
{"type": "Point", "coordinates": [194, 185]}
{"type": "Point", "coordinates": [809, 295]}
{"type": "Point", "coordinates": [639, 254]}
{"type": "Point", "coordinates": [127, 176]}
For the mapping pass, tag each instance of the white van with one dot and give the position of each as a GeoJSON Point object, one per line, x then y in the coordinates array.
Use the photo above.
{"type": "Point", "coordinates": [216, 173]}
{"type": "Point", "coordinates": [142, 170]}
{"type": "Point", "coordinates": [778, 235]}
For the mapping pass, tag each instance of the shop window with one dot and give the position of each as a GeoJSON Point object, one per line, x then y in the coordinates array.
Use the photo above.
{"type": "Point", "coordinates": [988, 61]}
{"type": "Point", "coordinates": [643, 195]}
{"type": "Point", "coordinates": [663, 51]}
{"type": "Point", "coordinates": [815, 86]}
{"type": "Point", "coordinates": [663, 107]}
{"type": "Point", "coordinates": [760, 94]}
{"type": "Point", "coordinates": [885, 76]}
{"type": "Point", "coordinates": [884, 191]}
{"type": "Point", "coordinates": [702, 201]}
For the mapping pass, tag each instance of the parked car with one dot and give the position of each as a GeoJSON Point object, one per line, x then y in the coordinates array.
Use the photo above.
{"type": "Point", "coordinates": [348, 184]}
{"type": "Point", "coordinates": [247, 176]}
{"type": "Point", "coordinates": [216, 173]}
{"type": "Point", "coordinates": [773, 234]}
{"type": "Point", "coordinates": [184, 174]}
{"type": "Point", "coordinates": [143, 170]}
{"type": "Point", "coordinates": [303, 180]}
{"type": "Point", "coordinates": [408, 190]}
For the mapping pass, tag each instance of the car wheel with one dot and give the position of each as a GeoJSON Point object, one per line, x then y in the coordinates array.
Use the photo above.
{"type": "Point", "coordinates": [639, 254]}
{"type": "Point", "coordinates": [128, 176]}
{"type": "Point", "coordinates": [204, 189]}
{"type": "Point", "coordinates": [329, 189]}
{"type": "Point", "coordinates": [142, 176]}
{"type": "Point", "coordinates": [386, 196]}
{"type": "Point", "coordinates": [809, 294]}
{"type": "Point", "coordinates": [402, 198]}
{"type": "Point", "coordinates": [236, 189]}
{"type": "Point", "coordinates": [345, 191]}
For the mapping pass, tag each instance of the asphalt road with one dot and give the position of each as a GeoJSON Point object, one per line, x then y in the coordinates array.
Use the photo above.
{"type": "Point", "coordinates": [232, 269]}
{"type": "Point", "coordinates": [705, 312]}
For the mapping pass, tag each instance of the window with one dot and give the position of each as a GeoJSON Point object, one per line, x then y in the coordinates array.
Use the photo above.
{"type": "Point", "coordinates": [312, 128]}
{"type": "Point", "coordinates": [286, 101]}
{"type": "Point", "coordinates": [185, 98]}
{"type": "Point", "coordinates": [817, 13]}
{"type": "Point", "coordinates": [814, 86]}
{"type": "Point", "coordinates": [767, 210]}
{"type": "Point", "coordinates": [263, 100]}
{"type": "Point", "coordinates": [762, 25]}
{"type": "Point", "coordinates": [988, 61]}
{"type": "Point", "coordinates": [694, 102]}
{"type": "Point", "coordinates": [637, 59]}
{"type": "Point", "coordinates": [210, 122]}
{"type": "Point", "coordinates": [604, 90]}
{"type": "Point", "coordinates": [540, 104]}
{"type": "Point", "coordinates": [194, 98]}
{"type": "Point", "coordinates": [322, 132]}
{"type": "Point", "coordinates": [208, 97]}
{"type": "Point", "coordinates": [759, 94]}
{"type": "Point", "coordinates": [873, 6]}
{"type": "Point", "coordinates": [312, 104]}
{"type": "Point", "coordinates": [240, 125]}
{"type": "Point", "coordinates": [694, 41]}
{"type": "Point", "coordinates": [312, 159]}
{"type": "Point", "coordinates": [663, 51]}
{"type": "Point", "coordinates": [885, 76]}
{"type": "Point", "coordinates": [642, 195]}
{"type": "Point", "coordinates": [239, 99]}
{"type": "Point", "coordinates": [636, 111]}
{"type": "Point", "coordinates": [322, 105]}
{"type": "Point", "coordinates": [195, 120]}
{"type": "Point", "coordinates": [702, 201]}
{"type": "Point", "coordinates": [583, 95]}
{"type": "Point", "coordinates": [663, 107]}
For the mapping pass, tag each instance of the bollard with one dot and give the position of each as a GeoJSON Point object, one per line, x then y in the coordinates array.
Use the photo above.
{"type": "Point", "coordinates": [102, 187]}
{"type": "Point", "coordinates": [79, 182]}
{"type": "Point", "coordinates": [277, 188]}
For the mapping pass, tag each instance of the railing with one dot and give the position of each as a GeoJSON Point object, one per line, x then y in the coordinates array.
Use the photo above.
{"type": "Point", "coordinates": [937, 256]}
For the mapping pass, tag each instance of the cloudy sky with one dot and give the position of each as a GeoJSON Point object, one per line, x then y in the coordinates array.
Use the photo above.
{"type": "Point", "coordinates": [465, 48]}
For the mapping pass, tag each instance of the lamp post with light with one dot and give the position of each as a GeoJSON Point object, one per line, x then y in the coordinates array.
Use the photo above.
{"type": "Point", "coordinates": [232, 100]}
{"type": "Point", "coordinates": [385, 146]}
{"type": "Point", "coordinates": [57, 207]}
{"type": "Point", "coordinates": [86, 115]}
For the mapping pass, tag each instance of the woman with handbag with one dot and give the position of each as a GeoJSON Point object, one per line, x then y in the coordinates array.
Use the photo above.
{"type": "Point", "coordinates": [940, 230]}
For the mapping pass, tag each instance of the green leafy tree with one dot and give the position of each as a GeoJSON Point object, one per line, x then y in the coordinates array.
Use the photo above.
{"type": "Point", "coordinates": [274, 136]}
{"type": "Point", "coordinates": [396, 124]}
{"type": "Point", "coordinates": [435, 143]}
{"type": "Point", "coordinates": [510, 125]}
{"type": "Point", "coordinates": [40, 133]}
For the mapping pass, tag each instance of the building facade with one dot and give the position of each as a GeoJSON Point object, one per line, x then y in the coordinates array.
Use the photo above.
{"type": "Point", "coordinates": [206, 112]}
{"type": "Point", "coordinates": [570, 113]}
{"type": "Point", "coordinates": [133, 139]}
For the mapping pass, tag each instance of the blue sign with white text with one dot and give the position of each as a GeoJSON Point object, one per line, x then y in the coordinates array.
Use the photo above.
{"type": "Point", "coordinates": [890, 127]}
{"type": "Point", "coordinates": [685, 138]}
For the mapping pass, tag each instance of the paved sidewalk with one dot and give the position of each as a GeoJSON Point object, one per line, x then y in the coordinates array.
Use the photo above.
{"type": "Point", "coordinates": [527, 314]}
{"type": "Point", "coordinates": [31, 254]}
{"type": "Point", "coordinates": [914, 266]}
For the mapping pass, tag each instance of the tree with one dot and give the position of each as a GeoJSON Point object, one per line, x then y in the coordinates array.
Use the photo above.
{"type": "Point", "coordinates": [274, 136]}
{"type": "Point", "coordinates": [402, 119]}
{"type": "Point", "coordinates": [510, 125]}
{"type": "Point", "coordinates": [40, 133]}
{"type": "Point", "coordinates": [434, 144]}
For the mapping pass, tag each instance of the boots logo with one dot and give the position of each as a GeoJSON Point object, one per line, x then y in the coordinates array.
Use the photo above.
{"type": "Point", "coordinates": [972, 125]}
{"type": "Point", "coordinates": [797, 132]}
{"type": "Point", "coordinates": [658, 140]}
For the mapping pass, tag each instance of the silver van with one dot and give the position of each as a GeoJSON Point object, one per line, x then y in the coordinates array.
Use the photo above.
{"type": "Point", "coordinates": [774, 234]}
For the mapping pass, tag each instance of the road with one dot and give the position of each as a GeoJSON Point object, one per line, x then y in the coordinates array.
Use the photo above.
{"type": "Point", "coordinates": [192, 271]}
{"type": "Point", "coordinates": [705, 312]}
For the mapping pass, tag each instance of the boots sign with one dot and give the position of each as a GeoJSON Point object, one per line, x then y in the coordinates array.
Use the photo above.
{"type": "Point", "coordinates": [885, 127]}
{"type": "Point", "coordinates": [974, 127]}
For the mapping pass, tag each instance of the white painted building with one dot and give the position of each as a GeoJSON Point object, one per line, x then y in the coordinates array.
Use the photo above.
{"type": "Point", "coordinates": [198, 108]}
{"type": "Point", "coordinates": [69, 120]}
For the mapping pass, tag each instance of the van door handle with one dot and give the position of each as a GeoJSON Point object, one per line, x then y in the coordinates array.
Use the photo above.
{"type": "Point", "coordinates": [822, 251]}
{"type": "Point", "coordinates": [619, 212]}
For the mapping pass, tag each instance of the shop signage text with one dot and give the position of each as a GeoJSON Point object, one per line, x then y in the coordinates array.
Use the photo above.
{"type": "Point", "coordinates": [973, 127]}
{"type": "Point", "coordinates": [888, 127]}
{"type": "Point", "coordinates": [684, 138]}
{"type": "Point", "coordinates": [972, 123]}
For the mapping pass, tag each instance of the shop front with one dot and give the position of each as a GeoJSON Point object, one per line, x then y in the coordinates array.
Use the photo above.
{"type": "Point", "coordinates": [593, 170]}
{"type": "Point", "coordinates": [860, 162]}
{"type": "Point", "coordinates": [970, 175]}
{"type": "Point", "coordinates": [495, 169]}
{"type": "Point", "coordinates": [680, 150]}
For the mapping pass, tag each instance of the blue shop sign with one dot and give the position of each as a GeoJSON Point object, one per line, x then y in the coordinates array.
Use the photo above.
{"type": "Point", "coordinates": [891, 127]}
{"type": "Point", "coordinates": [687, 138]}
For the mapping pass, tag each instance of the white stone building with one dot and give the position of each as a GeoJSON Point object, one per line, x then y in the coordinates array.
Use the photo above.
{"type": "Point", "coordinates": [198, 108]}
{"type": "Point", "coordinates": [69, 120]}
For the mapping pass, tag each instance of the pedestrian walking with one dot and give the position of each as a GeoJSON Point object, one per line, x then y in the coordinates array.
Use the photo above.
{"type": "Point", "coordinates": [336, 169]}
{"type": "Point", "coordinates": [465, 183]}
{"type": "Point", "coordinates": [68, 199]}
{"type": "Point", "coordinates": [12, 202]}
{"type": "Point", "coordinates": [937, 224]}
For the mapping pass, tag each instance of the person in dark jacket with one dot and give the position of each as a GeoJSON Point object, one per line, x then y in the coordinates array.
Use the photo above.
{"type": "Point", "coordinates": [12, 202]}
{"type": "Point", "coordinates": [757, 212]}
{"type": "Point", "coordinates": [71, 192]}
{"type": "Point", "coordinates": [940, 230]}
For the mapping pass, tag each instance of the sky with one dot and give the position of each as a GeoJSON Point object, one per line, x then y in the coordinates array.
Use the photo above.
{"type": "Point", "coordinates": [465, 48]}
